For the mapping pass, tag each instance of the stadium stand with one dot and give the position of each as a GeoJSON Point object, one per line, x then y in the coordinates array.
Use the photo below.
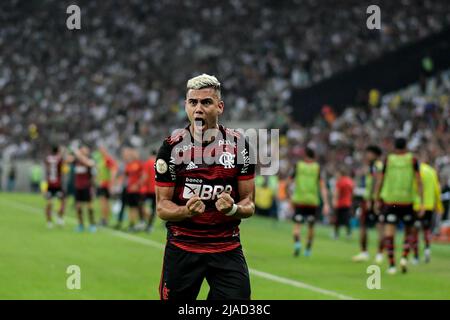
{"type": "Point", "coordinates": [121, 78]}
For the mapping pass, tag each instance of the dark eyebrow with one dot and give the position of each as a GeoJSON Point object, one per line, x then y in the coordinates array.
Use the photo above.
{"type": "Point", "coordinates": [192, 100]}
{"type": "Point", "coordinates": [206, 100]}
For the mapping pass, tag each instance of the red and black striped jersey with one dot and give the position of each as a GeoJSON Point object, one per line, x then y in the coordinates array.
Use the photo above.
{"type": "Point", "coordinates": [83, 176]}
{"type": "Point", "coordinates": [206, 170]}
{"type": "Point", "coordinates": [53, 168]}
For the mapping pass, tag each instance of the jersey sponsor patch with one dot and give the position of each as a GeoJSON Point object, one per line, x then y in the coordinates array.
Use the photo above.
{"type": "Point", "coordinates": [204, 191]}
{"type": "Point", "coordinates": [161, 166]}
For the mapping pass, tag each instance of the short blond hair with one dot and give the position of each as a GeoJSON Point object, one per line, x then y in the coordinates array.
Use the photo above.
{"type": "Point", "coordinates": [204, 81]}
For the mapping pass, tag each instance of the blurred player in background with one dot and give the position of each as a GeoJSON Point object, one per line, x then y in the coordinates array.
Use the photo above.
{"type": "Point", "coordinates": [342, 201]}
{"type": "Point", "coordinates": [148, 204]}
{"type": "Point", "coordinates": [396, 189]}
{"type": "Point", "coordinates": [54, 174]}
{"type": "Point", "coordinates": [121, 183]}
{"type": "Point", "coordinates": [369, 218]}
{"type": "Point", "coordinates": [133, 172]}
{"type": "Point", "coordinates": [84, 186]}
{"type": "Point", "coordinates": [432, 204]}
{"type": "Point", "coordinates": [308, 182]}
{"type": "Point", "coordinates": [106, 175]}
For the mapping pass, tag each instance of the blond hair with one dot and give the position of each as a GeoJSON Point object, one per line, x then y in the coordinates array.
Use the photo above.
{"type": "Point", "coordinates": [204, 81]}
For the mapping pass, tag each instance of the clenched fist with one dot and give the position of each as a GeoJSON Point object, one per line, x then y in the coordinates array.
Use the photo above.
{"type": "Point", "coordinates": [195, 206]}
{"type": "Point", "coordinates": [224, 202]}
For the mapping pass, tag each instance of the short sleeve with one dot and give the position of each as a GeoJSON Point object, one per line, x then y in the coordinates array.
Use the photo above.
{"type": "Point", "coordinates": [165, 175]}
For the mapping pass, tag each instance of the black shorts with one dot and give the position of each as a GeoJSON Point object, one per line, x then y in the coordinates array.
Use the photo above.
{"type": "Point", "coordinates": [133, 199]}
{"type": "Point", "coordinates": [151, 199]}
{"type": "Point", "coordinates": [343, 216]}
{"type": "Point", "coordinates": [54, 192]}
{"type": "Point", "coordinates": [305, 214]}
{"type": "Point", "coordinates": [83, 195]}
{"type": "Point", "coordinates": [394, 214]}
{"type": "Point", "coordinates": [426, 221]}
{"type": "Point", "coordinates": [183, 273]}
{"type": "Point", "coordinates": [368, 217]}
{"type": "Point", "coordinates": [103, 192]}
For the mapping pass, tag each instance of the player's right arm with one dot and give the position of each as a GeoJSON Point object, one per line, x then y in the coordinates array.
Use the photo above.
{"type": "Point", "coordinates": [324, 193]}
{"type": "Point", "coordinates": [165, 186]}
{"type": "Point", "coordinates": [169, 211]}
{"type": "Point", "coordinates": [83, 159]}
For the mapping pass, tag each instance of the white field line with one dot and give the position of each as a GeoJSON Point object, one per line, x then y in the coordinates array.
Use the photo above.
{"type": "Point", "coordinates": [158, 245]}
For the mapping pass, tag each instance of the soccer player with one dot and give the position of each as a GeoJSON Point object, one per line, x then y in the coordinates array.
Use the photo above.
{"type": "Point", "coordinates": [53, 167]}
{"type": "Point", "coordinates": [122, 186]}
{"type": "Point", "coordinates": [368, 216]}
{"type": "Point", "coordinates": [308, 182]}
{"type": "Point", "coordinates": [342, 201]}
{"type": "Point", "coordinates": [432, 204]}
{"type": "Point", "coordinates": [204, 187]}
{"type": "Point", "coordinates": [396, 188]}
{"type": "Point", "coordinates": [133, 173]}
{"type": "Point", "coordinates": [84, 167]}
{"type": "Point", "coordinates": [106, 174]}
{"type": "Point", "coordinates": [148, 190]}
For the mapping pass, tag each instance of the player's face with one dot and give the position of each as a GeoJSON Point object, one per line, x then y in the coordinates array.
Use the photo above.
{"type": "Point", "coordinates": [203, 108]}
{"type": "Point", "coordinates": [370, 156]}
{"type": "Point", "coordinates": [126, 154]}
{"type": "Point", "coordinates": [85, 151]}
{"type": "Point", "coordinates": [102, 150]}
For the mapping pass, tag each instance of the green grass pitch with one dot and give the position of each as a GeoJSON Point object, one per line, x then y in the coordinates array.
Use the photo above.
{"type": "Point", "coordinates": [117, 265]}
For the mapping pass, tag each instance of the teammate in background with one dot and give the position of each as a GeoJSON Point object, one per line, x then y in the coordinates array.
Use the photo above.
{"type": "Point", "coordinates": [342, 201]}
{"type": "Point", "coordinates": [432, 204]}
{"type": "Point", "coordinates": [106, 175]}
{"type": "Point", "coordinates": [148, 203]}
{"type": "Point", "coordinates": [53, 170]}
{"type": "Point", "coordinates": [84, 187]}
{"type": "Point", "coordinates": [305, 199]}
{"type": "Point", "coordinates": [203, 203]}
{"type": "Point", "coordinates": [133, 172]}
{"type": "Point", "coordinates": [121, 182]}
{"type": "Point", "coordinates": [368, 217]}
{"type": "Point", "coordinates": [396, 185]}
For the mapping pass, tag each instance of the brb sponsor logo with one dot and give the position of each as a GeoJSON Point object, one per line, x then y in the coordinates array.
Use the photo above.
{"type": "Point", "coordinates": [204, 191]}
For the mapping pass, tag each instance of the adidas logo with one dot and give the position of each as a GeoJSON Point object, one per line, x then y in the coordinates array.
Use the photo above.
{"type": "Point", "coordinates": [191, 166]}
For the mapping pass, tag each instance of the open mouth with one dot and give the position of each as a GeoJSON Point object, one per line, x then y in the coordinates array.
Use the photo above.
{"type": "Point", "coordinates": [200, 123]}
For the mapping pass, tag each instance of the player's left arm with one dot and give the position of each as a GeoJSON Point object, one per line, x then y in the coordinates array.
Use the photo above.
{"type": "Point", "coordinates": [418, 178]}
{"type": "Point", "coordinates": [245, 208]}
{"type": "Point", "coordinates": [246, 205]}
{"type": "Point", "coordinates": [113, 167]}
{"type": "Point", "coordinates": [324, 194]}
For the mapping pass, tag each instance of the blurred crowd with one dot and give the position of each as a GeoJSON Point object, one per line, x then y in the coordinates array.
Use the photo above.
{"type": "Point", "coordinates": [121, 78]}
{"type": "Point", "coordinates": [420, 113]}
{"type": "Point", "coordinates": [423, 117]}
